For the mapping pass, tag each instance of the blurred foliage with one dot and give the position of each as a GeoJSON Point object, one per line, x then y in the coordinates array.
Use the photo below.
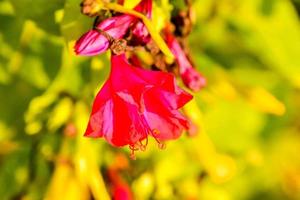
{"type": "Point", "coordinates": [248, 140]}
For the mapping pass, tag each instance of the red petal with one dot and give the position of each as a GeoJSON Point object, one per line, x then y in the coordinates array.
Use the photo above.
{"type": "Point", "coordinates": [169, 123]}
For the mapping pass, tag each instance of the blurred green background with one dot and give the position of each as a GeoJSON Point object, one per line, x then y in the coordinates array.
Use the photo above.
{"type": "Point", "coordinates": [248, 116]}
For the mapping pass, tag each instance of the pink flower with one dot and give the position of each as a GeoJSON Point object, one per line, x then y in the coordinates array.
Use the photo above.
{"type": "Point", "coordinates": [190, 77]}
{"type": "Point", "coordinates": [93, 42]}
{"type": "Point", "coordinates": [135, 103]}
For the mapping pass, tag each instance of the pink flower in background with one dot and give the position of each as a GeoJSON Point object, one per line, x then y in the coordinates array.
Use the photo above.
{"type": "Point", "coordinates": [189, 75]}
{"type": "Point", "coordinates": [93, 42]}
{"type": "Point", "coordinates": [192, 78]}
{"type": "Point", "coordinates": [135, 103]}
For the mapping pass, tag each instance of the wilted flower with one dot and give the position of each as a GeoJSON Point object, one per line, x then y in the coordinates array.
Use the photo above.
{"type": "Point", "coordinates": [135, 103]}
{"type": "Point", "coordinates": [189, 75]}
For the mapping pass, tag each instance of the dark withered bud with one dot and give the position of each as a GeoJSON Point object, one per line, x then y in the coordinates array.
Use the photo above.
{"type": "Point", "coordinates": [90, 7]}
{"type": "Point", "coordinates": [159, 62]}
{"type": "Point", "coordinates": [182, 23]}
{"type": "Point", "coordinates": [152, 47]}
{"type": "Point", "coordinates": [118, 46]}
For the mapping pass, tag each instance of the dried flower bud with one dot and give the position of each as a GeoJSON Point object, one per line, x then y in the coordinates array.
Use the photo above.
{"type": "Point", "coordinates": [118, 46]}
{"type": "Point", "coordinates": [90, 7]}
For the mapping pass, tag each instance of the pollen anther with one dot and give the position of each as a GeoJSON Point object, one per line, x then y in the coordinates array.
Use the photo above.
{"type": "Point", "coordinates": [155, 132]}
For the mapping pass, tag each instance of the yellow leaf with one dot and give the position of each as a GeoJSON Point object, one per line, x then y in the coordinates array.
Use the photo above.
{"type": "Point", "coordinates": [33, 127]}
{"type": "Point", "coordinates": [60, 114]}
{"type": "Point", "coordinates": [88, 171]}
{"type": "Point", "coordinates": [38, 105]}
{"type": "Point", "coordinates": [266, 102]}
{"type": "Point", "coordinates": [65, 185]}
{"type": "Point", "coordinates": [221, 168]}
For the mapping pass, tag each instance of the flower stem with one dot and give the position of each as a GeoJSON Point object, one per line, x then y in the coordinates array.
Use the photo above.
{"type": "Point", "coordinates": [154, 34]}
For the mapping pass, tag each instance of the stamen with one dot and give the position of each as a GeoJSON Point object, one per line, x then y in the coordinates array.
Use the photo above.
{"type": "Point", "coordinates": [133, 149]}
{"type": "Point", "coordinates": [160, 144]}
{"type": "Point", "coordinates": [132, 155]}
{"type": "Point", "coordinates": [142, 146]}
{"type": "Point", "coordinates": [155, 131]}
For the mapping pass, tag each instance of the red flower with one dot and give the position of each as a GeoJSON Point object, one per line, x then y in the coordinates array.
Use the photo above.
{"type": "Point", "coordinates": [190, 77]}
{"type": "Point", "coordinates": [122, 192]}
{"type": "Point", "coordinates": [119, 187]}
{"type": "Point", "coordinates": [93, 42]}
{"type": "Point", "coordinates": [135, 103]}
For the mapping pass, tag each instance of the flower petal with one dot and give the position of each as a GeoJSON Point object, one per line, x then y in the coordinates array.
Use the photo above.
{"type": "Point", "coordinates": [168, 123]}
